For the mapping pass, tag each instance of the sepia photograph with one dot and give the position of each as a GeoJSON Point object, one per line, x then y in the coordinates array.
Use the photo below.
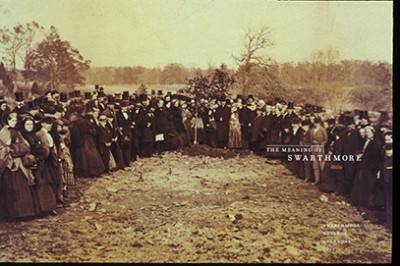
{"type": "Point", "coordinates": [196, 131]}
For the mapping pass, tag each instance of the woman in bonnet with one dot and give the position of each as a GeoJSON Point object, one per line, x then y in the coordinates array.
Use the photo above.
{"type": "Point", "coordinates": [17, 182]}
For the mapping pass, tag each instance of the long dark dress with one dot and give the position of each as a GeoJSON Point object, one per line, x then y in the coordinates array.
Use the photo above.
{"type": "Point", "coordinates": [146, 132]}
{"type": "Point", "coordinates": [18, 194]}
{"type": "Point", "coordinates": [87, 159]}
{"type": "Point", "coordinates": [222, 116]}
{"type": "Point", "coordinates": [43, 177]}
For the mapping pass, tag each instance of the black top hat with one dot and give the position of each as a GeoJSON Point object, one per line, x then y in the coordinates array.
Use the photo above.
{"type": "Point", "coordinates": [160, 93]}
{"type": "Point", "coordinates": [290, 105]}
{"type": "Point", "coordinates": [384, 116]}
{"type": "Point", "coordinates": [348, 120]}
{"type": "Point", "coordinates": [63, 97]}
{"type": "Point", "coordinates": [71, 94]}
{"type": "Point", "coordinates": [125, 95]}
{"type": "Point", "coordinates": [239, 96]}
{"type": "Point", "coordinates": [77, 93]}
{"type": "Point", "coordinates": [110, 99]}
{"type": "Point", "coordinates": [364, 114]}
{"type": "Point", "coordinates": [101, 89]}
{"type": "Point", "coordinates": [142, 97]}
{"type": "Point", "coordinates": [19, 97]}
{"type": "Point", "coordinates": [88, 95]}
{"type": "Point", "coordinates": [43, 101]}
{"type": "Point", "coordinates": [244, 101]}
{"type": "Point", "coordinates": [356, 112]}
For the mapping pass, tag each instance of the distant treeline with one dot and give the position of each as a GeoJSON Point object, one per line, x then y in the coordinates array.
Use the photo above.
{"type": "Point", "coordinates": [338, 85]}
{"type": "Point", "coordinates": [305, 74]}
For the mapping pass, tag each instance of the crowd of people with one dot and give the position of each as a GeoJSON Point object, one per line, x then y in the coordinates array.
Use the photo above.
{"type": "Point", "coordinates": [48, 143]}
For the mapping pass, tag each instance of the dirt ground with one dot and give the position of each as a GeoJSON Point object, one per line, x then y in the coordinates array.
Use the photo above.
{"type": "Point", "coordinates": [227, 207]}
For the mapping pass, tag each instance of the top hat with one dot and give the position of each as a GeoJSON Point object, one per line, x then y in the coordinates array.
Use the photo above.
{"type": "Point", "coordinates": [77, 93]}
{"type": "Point", "coordinates": [110, 99]}
{"type": "Point", "coordinates": [125, 95]}
{"type": "Point", "coordinates": [356, 112]}
{"type": "Point", "coordinates": [250, 96]}
{"type": "Point", "coordinates": [63, 97]}
{"type": "Point", "coordinates": [88, 96]}
{"type": "Point", "coordinates": [71, 94]}
{"type": "Point", "coordinates": [160, 93]}
{"type": "Point", "coordinates": [290, 105]}
{"type": "Point", "coordinates": [142, 97]}
{"type": "Point", "coordinates": [348, 120]}
{"type": "Point", "coordinates": [384, 116]}
{"type": "Point", "coordinates": [364, 114]}
{"type": "Point", "coordinates": [153, 92]}
{"type": "Point", "coordinates": [19, 97]}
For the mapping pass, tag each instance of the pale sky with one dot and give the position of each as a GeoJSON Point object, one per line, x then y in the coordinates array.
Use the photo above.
{"type": "Point", "coordinates": [198, 33]}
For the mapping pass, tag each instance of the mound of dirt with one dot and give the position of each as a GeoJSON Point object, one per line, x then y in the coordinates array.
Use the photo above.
{"type": "Point", "coordinates": [205, 150]}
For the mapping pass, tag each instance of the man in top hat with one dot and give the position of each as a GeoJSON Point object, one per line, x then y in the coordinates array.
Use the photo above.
{"type": "Point", "coordinates": [87, 96]}
{"type": "Point", "coordinates": [77, 95]}
{"type": "Point", "coordinates": [145, 127]}
{"type": "Point", "coordinates": [259, 130]}
{"type": "Point", "coordinates": [364, 119]}
{"type": "Point", "coordinates": [286, 123]}
{"type": "Point", "coordinates": [124, 121]}
{"type": "Point", "coordinates": [222, 116]}
{"type": "Point", "coordinates": [101, 98]}
{"type": "Point", "coordinates": [348, 143]}
{"type": "Point", "coordinates": [20, 107]}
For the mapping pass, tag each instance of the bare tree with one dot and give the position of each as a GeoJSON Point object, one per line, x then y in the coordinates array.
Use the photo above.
{"type": "Point", "coordinates": [17, 42]}
{"type": "Point", "coordinates": [255, 43]}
